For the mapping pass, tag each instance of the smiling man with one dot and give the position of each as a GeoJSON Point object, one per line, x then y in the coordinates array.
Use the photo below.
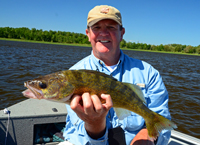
{"type": "Point", "coordinates": [94, 123]}
{"type": "Point", "coordinates": [105, 37]}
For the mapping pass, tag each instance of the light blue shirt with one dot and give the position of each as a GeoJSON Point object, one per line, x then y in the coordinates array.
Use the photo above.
{"type": "Point", "coordinates": [128, 70]}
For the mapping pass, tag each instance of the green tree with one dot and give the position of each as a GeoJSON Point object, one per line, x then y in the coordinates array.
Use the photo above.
{"type": "Point", "coordinates": [166, 48]}
{"type": "Point", "coordinates": [123, 44]}
{"type": "Point", "coordinates": [146, 47]}
{"type": "Point", "coordinates": [178, 48]}
{"type": "Point", "coordinates": [189, 49]}
{"type": "Point", "coordinates": [2, 32]}
{"type": "Point", "coordinates": [160, 47]}
{"type": "Point", "coordinates": [153, 47]}
{"type": "Point", "coordinates": [128, 44]}
{"type": "Point", "coordinates": [198, 49]}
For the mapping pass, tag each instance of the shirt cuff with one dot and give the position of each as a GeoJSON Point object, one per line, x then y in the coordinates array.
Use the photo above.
{"type": "Point", "coordinates": [100, 141]}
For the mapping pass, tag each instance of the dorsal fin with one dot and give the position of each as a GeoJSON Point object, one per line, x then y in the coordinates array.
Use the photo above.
{"type": "Point", "coordinates": [137, 90]}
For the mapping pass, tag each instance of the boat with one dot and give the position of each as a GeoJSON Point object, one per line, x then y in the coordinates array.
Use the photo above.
{"type": "Point", "coordinates": [18, 123]}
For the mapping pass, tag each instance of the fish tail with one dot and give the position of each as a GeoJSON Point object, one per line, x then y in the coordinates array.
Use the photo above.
{"type": "Point", "coordinates": [157, 124]}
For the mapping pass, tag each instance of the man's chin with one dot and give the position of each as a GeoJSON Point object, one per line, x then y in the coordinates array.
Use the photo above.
{"type": "Point", "coordinates": [104, 47]}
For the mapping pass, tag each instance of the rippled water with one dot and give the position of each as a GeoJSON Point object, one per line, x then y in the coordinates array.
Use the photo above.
{"type": "Point", "coordinates": [20, 61]}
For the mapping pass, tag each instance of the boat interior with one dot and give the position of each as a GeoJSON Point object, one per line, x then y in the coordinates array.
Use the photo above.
{"type": "Point", "coordinates": [35, 122]}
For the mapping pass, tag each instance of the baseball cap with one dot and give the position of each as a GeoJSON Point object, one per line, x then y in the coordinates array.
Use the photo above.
{"type": "Point", "coordinates": [101, 12]}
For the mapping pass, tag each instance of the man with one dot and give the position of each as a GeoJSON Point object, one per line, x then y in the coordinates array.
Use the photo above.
{"type": "Point", "coordinates": [93, 122]}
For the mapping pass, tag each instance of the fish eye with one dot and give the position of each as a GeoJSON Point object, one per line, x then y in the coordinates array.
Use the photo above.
{"type": "Point", "coordinates": [42, 85]}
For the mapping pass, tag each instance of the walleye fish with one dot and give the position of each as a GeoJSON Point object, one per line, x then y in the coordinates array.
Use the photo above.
{"type": "Point", "coordinates": [61, 86]}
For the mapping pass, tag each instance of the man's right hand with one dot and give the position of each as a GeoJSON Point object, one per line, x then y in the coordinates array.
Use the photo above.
{"type": "Point", "coordinates": [92, 112]}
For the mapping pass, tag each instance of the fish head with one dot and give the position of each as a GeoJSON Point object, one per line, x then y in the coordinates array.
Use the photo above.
{"type": "Point", "coordinates": [51, 87]}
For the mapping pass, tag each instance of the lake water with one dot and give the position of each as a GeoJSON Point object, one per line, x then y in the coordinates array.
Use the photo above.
{"type": "Point", "coordinates": [20, 61]}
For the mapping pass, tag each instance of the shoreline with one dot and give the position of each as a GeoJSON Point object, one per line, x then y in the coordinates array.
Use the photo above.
{"type": "Point", "coordinates": [89, 45]}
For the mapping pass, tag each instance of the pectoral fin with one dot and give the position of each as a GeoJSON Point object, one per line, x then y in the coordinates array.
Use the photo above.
{"type": "Point", "coordinates": [122, 113]}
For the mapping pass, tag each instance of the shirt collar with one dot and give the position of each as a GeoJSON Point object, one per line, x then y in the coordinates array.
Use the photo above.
{"type": "Point", "coordinates": [100, 63]}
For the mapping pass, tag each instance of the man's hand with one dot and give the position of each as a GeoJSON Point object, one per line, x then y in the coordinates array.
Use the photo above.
{"type": "Point", "coordinates": [93, 112]}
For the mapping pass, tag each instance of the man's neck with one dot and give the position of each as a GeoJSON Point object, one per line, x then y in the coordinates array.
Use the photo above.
{"type": "Point", "coordinates": [109, 60]}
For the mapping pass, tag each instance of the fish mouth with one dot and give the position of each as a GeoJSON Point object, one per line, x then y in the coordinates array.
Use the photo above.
{"type": "Point", "coordinates": [32, 92]}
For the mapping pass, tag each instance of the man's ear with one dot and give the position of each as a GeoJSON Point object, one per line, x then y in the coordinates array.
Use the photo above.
{"type": "Point", "coordinates": [87, 31]}
{"type": "Point", "coordinates": [122, 33]}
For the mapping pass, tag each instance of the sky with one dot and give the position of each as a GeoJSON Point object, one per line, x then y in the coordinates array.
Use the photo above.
{"type": "Point", "coordinates": [152, 22]}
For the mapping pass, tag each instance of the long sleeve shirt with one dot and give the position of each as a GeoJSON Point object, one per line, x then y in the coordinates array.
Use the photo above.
{"type": "Point", "coordinates": [128, 70]}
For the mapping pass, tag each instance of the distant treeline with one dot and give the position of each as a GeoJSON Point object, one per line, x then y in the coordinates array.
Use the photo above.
{"type": "Point", "coordinates": [40, 35]}
{"type": "Point", "coordinates": [78, 38]}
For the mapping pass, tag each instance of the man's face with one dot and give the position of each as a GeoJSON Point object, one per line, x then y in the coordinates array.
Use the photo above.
{"type": "Point", "coordinates": [105, 37]}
